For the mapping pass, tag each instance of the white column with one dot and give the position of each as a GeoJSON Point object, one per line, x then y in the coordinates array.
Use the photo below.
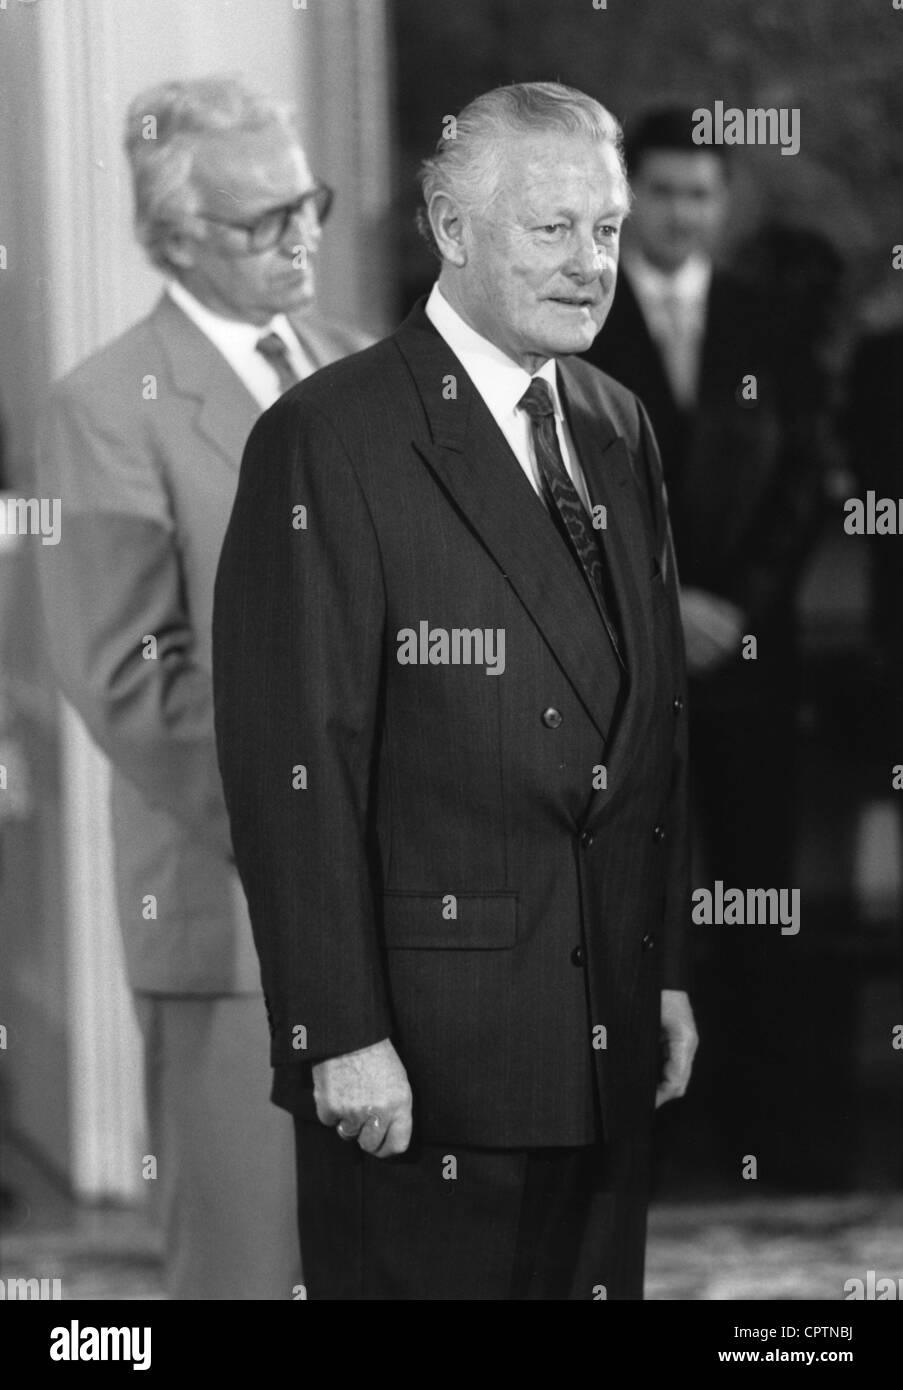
{"type": "Point", "coordinates": [346, 120]}
{"type": "Point", "coordinates": [85, 197]}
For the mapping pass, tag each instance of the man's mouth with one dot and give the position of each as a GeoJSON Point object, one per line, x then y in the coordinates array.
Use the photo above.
{"type": "Point", "coordinates": [576, 301]}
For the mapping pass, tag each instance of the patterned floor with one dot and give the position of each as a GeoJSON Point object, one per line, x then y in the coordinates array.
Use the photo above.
{"type": "Point", "coordinates": [758, 1249]}
{"type": "Point", "coordinates": [773, 1249]}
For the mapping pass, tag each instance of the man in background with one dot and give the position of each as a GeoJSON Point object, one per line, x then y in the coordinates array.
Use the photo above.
{"type": "Point", "coordinates": [142, 442]}
{"type": "Point", "coordinates": [873, 429]}
{"type": "Point", "coordinates": [703, 350]}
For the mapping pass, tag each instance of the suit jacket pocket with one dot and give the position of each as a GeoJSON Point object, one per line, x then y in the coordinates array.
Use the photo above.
{"type": "Point", "coordinates": [450, 921]}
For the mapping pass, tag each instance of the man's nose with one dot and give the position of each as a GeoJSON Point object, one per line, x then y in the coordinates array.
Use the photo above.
{"type": "Point", "coordinates": [587, 258]}
{"type": "Point", "coordinates": [304, 229]}
{"type": "Point", "coordinates": [685, 211]}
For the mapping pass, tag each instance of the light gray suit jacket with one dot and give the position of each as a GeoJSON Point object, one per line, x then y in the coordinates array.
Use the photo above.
{"type": "Point", "coordinates": [142, 443]}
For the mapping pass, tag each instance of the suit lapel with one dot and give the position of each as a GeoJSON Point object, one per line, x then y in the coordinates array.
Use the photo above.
{"type": "Point", "coordinates": [226, 410]}
{"type": "Point", "coordinates": [472, 461]}
{"type": "Point", "coordinates": [605, 460]}
{"type": "Point", "coordinates": [718, 329]}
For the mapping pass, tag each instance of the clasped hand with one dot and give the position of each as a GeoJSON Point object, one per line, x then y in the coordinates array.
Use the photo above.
{"type": "Point", "coordinates": [367, 1097]}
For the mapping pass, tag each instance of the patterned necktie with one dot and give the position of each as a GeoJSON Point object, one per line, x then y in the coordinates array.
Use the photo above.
{"type": "Point", "coordinates": [274, 350]}
{"type": "Point", "coordinates": [566, 508]}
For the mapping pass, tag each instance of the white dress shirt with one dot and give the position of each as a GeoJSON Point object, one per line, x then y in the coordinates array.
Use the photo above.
{"type": "Point", "coordinates": [237, 341]}
{"type": "Point", "coordinates": [502, 383]}
{"type": "Point", "coordinates": [674, 307]}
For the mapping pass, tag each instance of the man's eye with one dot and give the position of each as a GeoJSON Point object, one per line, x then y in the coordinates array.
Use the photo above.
{"type": "Point", "coordinates": [609, 232]}
{"type": "Point", "coordinates": [552, 228]}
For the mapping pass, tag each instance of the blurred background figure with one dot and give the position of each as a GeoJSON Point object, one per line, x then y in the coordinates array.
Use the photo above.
{"type": "Point", "coordinates": [6, 1194]}
{"type": "Point", "coordinates": [737, 419]}
{"type": "Point", "coordinates": [873, 429]}
{"type": "Point", "coordinates": [142, 442]}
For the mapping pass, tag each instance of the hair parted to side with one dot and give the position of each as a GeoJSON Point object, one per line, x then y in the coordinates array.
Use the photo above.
{"type": "Point", "coordinates": [164, 126]}
{"type": "Point", "coordinates": [468, 164]}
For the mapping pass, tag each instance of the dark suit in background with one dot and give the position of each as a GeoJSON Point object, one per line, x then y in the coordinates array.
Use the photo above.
{"type": "Point", "coordinates": [874, 437]}
{"type": "Point", "coordinates": [744, 492]}
{"type": "Point", "coordinates": [426, 781]}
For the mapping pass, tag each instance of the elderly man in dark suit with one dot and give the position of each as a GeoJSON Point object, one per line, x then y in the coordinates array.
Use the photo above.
{"type": "Point", "coordinates": [449, 701]}
{"type": "Point", "coordinates": [142, 443]}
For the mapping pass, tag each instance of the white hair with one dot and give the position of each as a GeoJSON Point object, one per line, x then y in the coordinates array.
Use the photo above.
{"type": "Point", "coordinates": [164, 127]}
{"type": "Point", "coordinates": [470, 156]}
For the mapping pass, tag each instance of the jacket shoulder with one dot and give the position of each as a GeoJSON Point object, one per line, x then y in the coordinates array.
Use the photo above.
{"type": "Point", "coordinates": [349, 387]}
{"type": "Point", "coordinates": [344, 337]}
{"type": "Point", "coordinates": [622, 406]}
{"type": "Point", "coordinates": [113, 372]}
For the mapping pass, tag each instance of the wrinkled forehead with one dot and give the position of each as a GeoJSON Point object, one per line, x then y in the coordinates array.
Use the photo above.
{"type": "Point", "coordinates": [249, 168]}
{"type": "Point", "coordinates": [559, 173]}
{"type": "Point", "coordinates": [552, 169]}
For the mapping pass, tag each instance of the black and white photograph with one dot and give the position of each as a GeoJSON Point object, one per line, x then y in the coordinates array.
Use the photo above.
{"type": "Point", "coordinates": [451, 663]}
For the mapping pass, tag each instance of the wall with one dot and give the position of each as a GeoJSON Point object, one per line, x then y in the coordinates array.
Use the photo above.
{"type": "Point", "coordinates": [839, 61]}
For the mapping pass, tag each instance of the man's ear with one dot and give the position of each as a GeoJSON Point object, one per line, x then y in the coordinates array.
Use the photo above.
{"type": "Point", "coordinates": [179, 250]}
{"type": "Point", "coordinates": [448, 225]}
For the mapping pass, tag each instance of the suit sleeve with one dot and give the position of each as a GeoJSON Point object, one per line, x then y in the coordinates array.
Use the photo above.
{"type": "Point", "coordinates": [676, 909]}
{"type": "Point", "coordinates": [121, 638]}
{"type": "Point", "coordinates": [299, 619]}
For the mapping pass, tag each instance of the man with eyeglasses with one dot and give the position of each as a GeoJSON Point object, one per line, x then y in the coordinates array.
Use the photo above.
{"type": "Point", "coordinates": [143, 443]}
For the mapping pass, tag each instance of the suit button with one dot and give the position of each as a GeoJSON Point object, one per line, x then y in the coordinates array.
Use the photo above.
{"type": "Point", "coordinates": [648, 942]}
{"type": "Point", "coordinates": [587, 838]}
{"type": "Point", "coordinates": [658, 834]}
{"type": "Point", "coordinates": [551, 718]}
{"type": "Point", "coordinates": [577, 956]}
{"type": "Point", "coordinates": [677, 704]}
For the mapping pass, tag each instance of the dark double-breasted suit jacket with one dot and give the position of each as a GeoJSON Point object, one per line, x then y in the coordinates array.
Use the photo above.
{"type": "Point", "coordinates": [427, 850]}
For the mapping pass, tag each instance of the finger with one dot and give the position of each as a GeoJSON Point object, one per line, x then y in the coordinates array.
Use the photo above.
{"type": "Point", "coordinates": [673, 1083]}
{"type": "Point", "coordinates": [679, 1075]}
{"type": "Point", "coordinates": [348, 1127]}
{"type": "Point", "coordinates": [398, 1136]}
{"type": "Point", "coordinates": [706, 658]}
{"type": "Point", "coordinates": [664, 1094]}
{"type": "Point", "coordinates": [729, 612]}
{"type": "Point", "coordinates": [722, 640]}
{"type": "Point", "coordinates": [326, 1114]}
{"type": "Point", "coordinates": [726, 642]}
{"type": "Point", "coordinates": [669, 1088]}
{"type": "Point", "coordinates": [372, 1134]}
{"type": "Point", "coordinates": [707, 644]}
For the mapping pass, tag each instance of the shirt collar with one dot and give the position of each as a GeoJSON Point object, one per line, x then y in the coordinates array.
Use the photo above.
{"type": "Point", "coordinates": [499, 379]}
{"type": "Point", "coordinates": [231, 333]}
{"type": "Point", "coordinates": [689, 283]}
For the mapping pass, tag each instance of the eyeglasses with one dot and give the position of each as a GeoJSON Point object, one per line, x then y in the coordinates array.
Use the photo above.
{"type": "Point", "coordinates": [269, 229]}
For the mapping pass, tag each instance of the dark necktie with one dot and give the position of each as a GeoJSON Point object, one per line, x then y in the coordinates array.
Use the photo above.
{"type": "Point", "coordinates": [274, 350]}
{"type": "Point", "coordinates": [566, 508]}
